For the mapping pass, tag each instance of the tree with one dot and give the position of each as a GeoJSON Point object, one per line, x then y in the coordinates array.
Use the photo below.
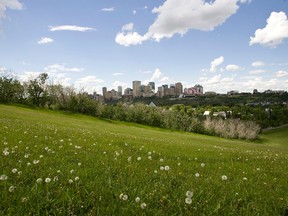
{"type": "Point", "coordinates": [37, 92]}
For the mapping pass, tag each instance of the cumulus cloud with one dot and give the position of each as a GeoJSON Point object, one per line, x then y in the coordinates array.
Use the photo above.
{"type": "Point", "coordinates": [70, 28]}
{"type": "Point", "coordinates": [111, 9]}
{"type": "Point", "coordinates": [88, 83]}
{"type": "Point", "coordinates": [257, 64]}
{"type": "Point", "coordinates": [233, 67]}
{"type": "Point", "coordinates": [117, 74]}
{"type": "Point", "coordinates": [215, 63]}
{"type": "Point", "coordinates": [274, 32]}
{"type": "Point", "coordinates": [179, 16]}
{"type": "Point", "coordinates": [9, 4]}
{"type": "Point", "coordinates": [45, 40]}
{"type": "Point", "coordinates": [127, 37]}
{"type": "Point", "coordinates": [281, 73]}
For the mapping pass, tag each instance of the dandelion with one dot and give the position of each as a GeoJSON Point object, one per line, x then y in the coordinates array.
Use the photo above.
{"type": "Point", "coordinates": [19, 172]}
{"type": "Point", "coordinates": [202, 164]}
{"type": "Point", "coordinates": [121, 196]}
{"type": "Point", "coordinates": [245, 179]}
{"type": "Point", "coordinates": [155, 171]}
{"type": "Point", "coordinates": [149, 157]}
{"type": "Point", "coordinates": [129, 159]}
{"type": "Point", "coordinates": [77, 178]}
{"type": "Point", "coordinates": [162, 167]}
{"type": "Point", "coordinates": [188, 200]}
{"type": "Point", "coordinates": [39, 180]}
{"type": "Point", "coordinates": [41, 156]}
{"type": "Point", "coordinates": [26, 155]}
{"type": "Point", "coordinates": [224, 177]}
{"type": "Point", "coordinates": [139, 158]}
{"type": "Point", "coordinates": [79, 164]}
{"type": "Point", "coordinates": [137, 199]}
{"type": "Point", "coordinates": [189, 194]}
{"type": "Point", "coordinates": [125, 197]}
{"type": "Point", "coordinates": [166, 168]}
{"type": "Point", "coordinates": [179, 164]}
{"type": "Point", "coordinates": [12, 188]}
{"type": "Point", "coordinates": [143, 205]}
{"type": "Point", "coordinates": [24, 199]}
{"type": "Point", "coordinates": [70, 181]}
{"type": "Point", "coordinates": [47, 180]}
{"type": "Point", "coordinates": [3, 177]}
{"type": "Point", "coordinates": [55, 178]}
{"type": "Point", "coordinates": [71, 171]}
{"type": "Point", "coordinates": [14, 170]}
{"type": "Point", "coordinates": [161, 160]}
{"type": "Point", "coordinates": [36, 161]}
{"type": "Point", "coordinates": [149, 153]}
{"type": "Point", "coordinates": [197, 175]}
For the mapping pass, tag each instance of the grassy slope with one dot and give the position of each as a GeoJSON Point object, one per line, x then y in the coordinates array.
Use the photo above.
{"type": "Point", "coordinates": [103, 147]}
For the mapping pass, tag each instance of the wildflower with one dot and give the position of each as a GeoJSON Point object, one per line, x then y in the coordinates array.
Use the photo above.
{"type": "Point", "coordinates": [139, 158]}
{"type": "Point", "coordinates": [70, 181]}
{"type": "Point", "coordinates": [188, 200]}
{"type": "Point", "coordinates": [137, 199]}
{"type": "Point", "coordinates": [189, 194]}
{"type": "Point", "coordinates": [161, 160]}
{"type": "Point", "coordinates": [129, 159]}
{"type": "Point", "coordinates": [179, 164]}
{"type": "Point", "coordinates": [47, 180]}
{"type": "Point", "coordinates": [36, 161]}
{"type": "Point", "coordinates": [5, 152]}
{"type": "Point", "coordinates": [28, 164]}
{"type": "Point", "coordinates": [19, 172]}
{"type": "Point", "coordinates": [143, 205]}
{"type": "Point", "coordinates": [24, 199]}
{"type": "Point", "coordinates": [26, 155]}
{"type": "Point", "coordinates": [162, 167]}
{"type": "Point", "coordinates": [39, 180]}
{"type": "Point", "coordinates": [125, 197]}
{"type": "Point", "coordinates": [224, 177]}
{"type": "Point", "coordinates": [55, 178]}
{"type": "Point", "coordinates": [121, 196]}
{"type": "Point", "coordinates": [14, 170]}
{"type": "Point", "coordinates": [12, 188]}
{"type": "Point", "coordinates": [3, 177]}
{"type": "Point", "coordinates": [41, 156]}
{"type": "Point", "coordinates": [71, 171]}
{"type": "Point", "coordinates": [202, 164]}
{"type": "Point", "coordinates": [245, 179]}
{"type": "Point", "coordinates": [166, 168]}
{"type": "Point", "coordinates": [77, 178]}
{"type": "Point", "coordinates": [155, 171]}
{"type": "Point", "coordinates": [149, 153]}
{"type": "Point", "coordinates": [149, 157]}
{"type": "Point", "coordinates": [197, 175]}
{"type": "Point", "coordinates": [79, 164]}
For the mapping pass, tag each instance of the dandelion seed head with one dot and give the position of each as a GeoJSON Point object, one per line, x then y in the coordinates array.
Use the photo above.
{"type": "Point", "coordinates": [224, 177]}
{"type": "Point", "coordinates": [12, 189]}
{"type": "Point", "coordinates": [14, 170]}
{"type": "Point", "coordinates": [39, 180]}
{"type": "Point", "coordinates": [48, 180]}
{"type": "Point", "coordinates": [197, 175]}
{"type": "Point", "coordinates": [3, 177]}
{"type": "Point", "coordinates": [189, 193]}
{"type": "Point", "coordinates": [166, 168]}
{"type": "Point", "coordinates": [139, 158]}
{"type": "Point", "coordinates": [70, 181]}
{"type": "Point", "coordinates": [202, 164]}
{"type": "Point", "coordinates": [137, 199]}
{"type": "Point", "coordinates": [188, 200]}
{"type": "Point", "coordinates": [143, 205]}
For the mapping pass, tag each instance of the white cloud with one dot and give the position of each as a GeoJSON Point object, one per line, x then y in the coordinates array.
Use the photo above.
{"type": "Point", "coordinates": [45, 40]}
{"type": "Point", "coordinates": [258, 71]}
{"type": "Point", "coordinates": [111, 9]}
{"type": "Point", "coordinates": [61, 68]}
{"type": "Point", "coordinates": [70, 28]}
{"type": "Point", "coordinates": [134, 12]}
{"type": "Point", "coordinates": [258, 64]}
{"type": "Point", "coordinates": [233, 67]}
{"type": "Point", "coordinates": [129, 38]}
{"type": "Point", "coordinates": [88, 83]}
{"type": "Point", "coordinates": [159, 78]}
{"type": "Point", "coordinates": [215, 63]}
{"type": "Point", "coordinates": [179, 16]}
{"type": "Point", "coordinates": [8, 4]}
{"type": "Point", "coordinates": [274, 32]}
{"type": "Point", "coordinates": [281, 73]}
{"type": "Point", "coordinates": [128, 27]}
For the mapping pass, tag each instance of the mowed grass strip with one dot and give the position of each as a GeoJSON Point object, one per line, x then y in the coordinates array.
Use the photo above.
{"type": "Point", "coordinates": [66, 164]}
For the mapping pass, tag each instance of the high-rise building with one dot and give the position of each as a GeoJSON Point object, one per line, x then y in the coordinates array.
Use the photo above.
{"type": "Point", "coordinates": [136, 88]}
{"type": "Point", "coordinates": [104, 92]}
{"type": "Point", "coordinates": [152, 84]}
{"type": "Point", "coordinates": [178, 88]}
{"type": "Point", "coordinates": [120, 92]}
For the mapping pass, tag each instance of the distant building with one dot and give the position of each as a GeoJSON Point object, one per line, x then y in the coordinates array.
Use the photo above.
{"type": "Point", "coordinates": [233, 92]}
{"type": "Point", "coordinates": [196, 90]}
{"type": "Point", "coordinates": [152, 84]}
{"type": "Point", "coordinates": [178, 89]}
{"type": "Point", "coordinates": [119, 91]}
{"type": "Point", "coordinates": [104, 92]}
{"type": "Point", "coordinates": [136, 88]}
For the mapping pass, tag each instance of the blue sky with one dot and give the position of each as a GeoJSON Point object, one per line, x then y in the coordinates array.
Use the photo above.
{"type": "Point", "coordinates": [222, 44]}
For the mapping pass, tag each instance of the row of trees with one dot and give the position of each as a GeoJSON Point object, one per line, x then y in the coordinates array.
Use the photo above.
{"type": "Point", "coordinates": [37, 92]}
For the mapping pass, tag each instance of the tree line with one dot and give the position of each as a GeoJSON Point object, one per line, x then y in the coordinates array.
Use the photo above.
{"type": "Point", "coordinates": [240, 122]}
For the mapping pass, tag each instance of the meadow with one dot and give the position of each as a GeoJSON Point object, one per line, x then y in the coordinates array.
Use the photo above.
{"type": "Point", "coordinates": [56, 163]}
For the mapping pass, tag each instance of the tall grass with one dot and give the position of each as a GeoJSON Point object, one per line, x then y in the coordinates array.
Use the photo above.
{"type": "Point", "coordinates": [57, 164]}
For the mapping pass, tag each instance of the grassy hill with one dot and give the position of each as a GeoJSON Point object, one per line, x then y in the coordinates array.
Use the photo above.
{"type": "Point", "coordinates": [65, 164]}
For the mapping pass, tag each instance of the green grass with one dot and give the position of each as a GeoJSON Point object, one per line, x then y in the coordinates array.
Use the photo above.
{"type": "Point", "coordinates": [91, 162]}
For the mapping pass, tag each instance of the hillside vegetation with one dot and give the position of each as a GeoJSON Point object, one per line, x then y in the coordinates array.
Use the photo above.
{"type": "Point", "coordinates": [66, 164]}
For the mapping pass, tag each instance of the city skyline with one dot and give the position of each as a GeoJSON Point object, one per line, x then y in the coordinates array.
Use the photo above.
{"type": "Point", "coordinates": [223, 45]}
